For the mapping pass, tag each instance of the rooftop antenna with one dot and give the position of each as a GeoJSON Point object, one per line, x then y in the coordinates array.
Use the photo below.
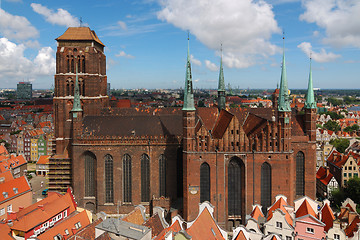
{"type": "Point", "coordinates": [81, 22]}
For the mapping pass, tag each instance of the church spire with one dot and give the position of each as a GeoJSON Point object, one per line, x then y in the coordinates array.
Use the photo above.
{"type": "Point", "coordinates": [76, 104]}
{"type": "Point", "coordinates": [221, 88]}
{"type": "Point", "coordinates": [284, 103]}
{"type": "Point", "coordinates": [188, 91]}
{"type": "Point", "coordinates": [310, 99]}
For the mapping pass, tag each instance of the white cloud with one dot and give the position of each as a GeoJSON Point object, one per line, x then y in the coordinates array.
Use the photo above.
{"type": "Point", "coordinates": [123, 54]}
{"type": "Point", "coordinates": [14, 66]}
{"type": "Point", "coordinates": [122, 25]}
{"type": "Point", "coordinates": [16, 27]}
{"type": "Point", "coordinates": [339, 18]}
{"type": "Point", "coordinates": [243, 27]}
{"type": "Point", "coordinates": [194, 60]}
{"type": "Point", "coordinates": [61, 17]}
{"type": "Point", "coordinates": [321, 56]}
{"type": "Point", "coordinates": [211, 66]}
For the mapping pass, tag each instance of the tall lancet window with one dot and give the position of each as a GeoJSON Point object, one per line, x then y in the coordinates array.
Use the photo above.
{"type": "Point", "coordinates": [127, 178]}
{"type": "Point", "coordinates": [265, 185]}
{"type": "Point", "coordinates": [236, 184]}
{"type": "Point", "coordinates": [162, 175]}
{"type": "Point", "coordinates": [204, 182]}
{"type": "Point", "coordinates": [109, 175]}
{"type": "Point", "coordinates": [90, 177]}
{"type": "Point", "coordinates": [300, 178]}
{"type": "Point", "coordinates": [145, 178]}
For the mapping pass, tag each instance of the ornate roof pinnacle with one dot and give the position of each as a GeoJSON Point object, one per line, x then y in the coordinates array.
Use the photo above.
{"type": "Point", "coordinates": [188, 91]}
{"type": "Point", "coordinates": [284, 103]}
{"type": "Point", "coordinates": [310, 99]}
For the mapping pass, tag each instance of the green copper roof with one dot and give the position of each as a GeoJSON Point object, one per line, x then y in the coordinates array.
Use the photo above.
{"type": "Point", "coordinates": [188, 92]}
{"type": "Point", "coordinates": [77, 104]}
{"type": "Point", "coordinates": [221, 88]}
{"type": "Point", "coordinates": [284, 103]}
{"type": "Point", "coordinates": [310, 99]}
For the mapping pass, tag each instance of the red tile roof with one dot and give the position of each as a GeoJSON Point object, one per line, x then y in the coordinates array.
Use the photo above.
{"type": "Point", "coordinates": [175, 227]}
{"type": "Point", "coordinates": [352, 227]}
{"type": "Point", "coordinates": [305, 209]}
{"type": "Point", "coordinates": [208, 116]}
{"type": "Point", "coordinates": [44, 159]}
{"type": "Point", "coordinates": [80, 33]}
{"type": "Point", "coordinates": [3, 150]}
{"type": "Point", "coordinates": [7, 175]}
{"type": "Point", "coordinates": [13, 188]}
{"type": "Point", "coordinates": [327, 216]}
{"type": "Point", "coordinates": [135, 216]}
{"type": "Point", "coordinates": [204, 227]}
{"type": "Point", "coordinates": [280, 204]}
{"type": "Point", "coordinates": [87, 232]}
{"type": "Point", "coordinates": [155, 224]}
{"type": "Point", "coordinates": [5, 232]}
{"type": "Point", "coordinates": [69, 224]}
{"type": "Point", "coordinates": [222, 123]}
{"type": "Point", "coordinates": [256, 213]}
{"type": "Point", "coordinates": [322, 176]}
{"type": "Point", "coordinates": [38, 215]}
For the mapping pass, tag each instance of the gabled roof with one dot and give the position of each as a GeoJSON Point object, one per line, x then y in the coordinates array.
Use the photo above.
{"type": "Point", "coordinates": [327, 216]}
{"type": "Point", "coordinates": [280, 204]}
{"type": "Point", "coordinates": [241, 234]}
{"type": "Point", "coordinates": [256, 213]}
{"type": "Point", "coordinates": [323, 177]}
{"type": "Point", "coordinates": [305, 209]}
{"type": "Point", "coordinates": [208, 116]}
{"type": "Point", "coordinates": [222, 124]}
{"type": "Point", "coordinates": [69, 224]}
{"type": "Point", "coordinates": [204, 227]}
{"type": "Point", "coordinates": [44, 159]}
{"type": "Point", "coordinates": [79, 34]}
{"type": "Point", "coordinates": [40, 214]}
{"type": "Point", "coordinates": [136, 216]}
{"type": "Point", "coordinates": [155, 224]}
{"type": "Point", "coordinates": [175, 227]}
{"type": "Point", "coordinates": [88, 232]}
{"type": "Point", "coordinates": [13, 188]}
{"type": "Point", "coordinates": [3, 150]}
{"type": "Point", "coordinates": [5, 232]}
{"type": "Point", "coordinates": [352, 227]}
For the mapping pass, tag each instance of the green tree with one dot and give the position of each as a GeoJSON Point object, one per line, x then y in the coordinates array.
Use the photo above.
{"type": "Point", "coordinates": [335, 101]}
{"type": "Point", "coordinates": [332, 126]}
{"type": "Point", "coordinates": [351, 190]}
{"type": "Point", "coordinates": [341, 144]}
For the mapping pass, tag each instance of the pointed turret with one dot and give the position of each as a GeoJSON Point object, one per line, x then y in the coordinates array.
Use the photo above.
{"type": "Point", "coordinates": [188, 92]}
{"type": "Point", "coordinates": [76, 104]}
{"type": "Point", "coordinates": [310, 99]}
{"type": "Point", "coordinates": [284, 103]}
{"type": "Point", "coordinates": [221, 88]}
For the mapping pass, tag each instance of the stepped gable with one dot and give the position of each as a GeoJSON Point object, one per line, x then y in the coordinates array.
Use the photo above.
{"type": "Point", "coordinates": [164, 125]}
{"type": "Point", "coordinates": [79, 34]}
{"type": "Point", "coordinates": [222, 123]}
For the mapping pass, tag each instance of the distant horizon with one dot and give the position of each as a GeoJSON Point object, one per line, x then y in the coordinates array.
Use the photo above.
{"type": "Point", "coordinates": [146, 41]}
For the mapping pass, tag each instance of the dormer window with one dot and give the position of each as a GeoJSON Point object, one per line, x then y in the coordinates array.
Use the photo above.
{"type": "Point", "coordinates": [5, 194]}
{"type": "Point", "coordinates": [16, 190]}
{"type": "Point", "coordinates": [77, 225]}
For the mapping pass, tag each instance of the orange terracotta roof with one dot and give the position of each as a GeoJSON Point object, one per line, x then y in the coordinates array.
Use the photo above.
{"type": "Point", "coordinates": [7, 175]}
{"type": "Point", "coordinates": [87, 232]}
{"type": "Point", "coordinates": [353, 227]}
{"type": "Point", "coordinates": [327, 217]}
{"type": "Point", "coordinates": [3, 150]}
{"type": "Point", "coordinates": [204, 227]}
{"type": "Point", "coordinates": [45, 124]}
{"type": "Point", "coordinates": [40, 215]}
{"type": "Point", "coordinates": [222, 123]}
{"type": "Point", "coordinates": [13, 188]}
{"type": "Point", "coordinates": [69, 224]}
{"type": "Point", "coordinates": [135, 216]}
{"type": "Point", "coordinates": [208, 116]}
{"type": "Point", "coordinates": [123, 103]}
{"type": "Point", "coordinates": [44, 159]}
{"type": "Point", "coordinates": [321, 176]}
{"type": "Point", "coordinates": [5, 232]}
{"type": "Point", "coordinates": [305, 209]}
{"type": "Point", "coordinates": [155, 224]}
{"type": "Point", "coordinates": [175, 227]}
{"type": "Point", "coordinates": [279, 204]}
{"type": "Point", "coordinates": [256, 213]}
{"type": "Point", "coordinates": [241, 236]}
{"type": "Point", "coordinates": [80, 33]}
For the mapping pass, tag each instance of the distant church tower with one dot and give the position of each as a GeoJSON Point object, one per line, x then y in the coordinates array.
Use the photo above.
{"type": "Point", "coordinates": [78, 46]}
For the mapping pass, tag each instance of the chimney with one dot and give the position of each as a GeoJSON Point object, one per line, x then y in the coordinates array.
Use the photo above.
{"type": "Point", "coordinates": [41, 207]}
{"type": "Point", "coordinates": [327, 170]}
{"type": "Point", "coordinates": [21, 208]}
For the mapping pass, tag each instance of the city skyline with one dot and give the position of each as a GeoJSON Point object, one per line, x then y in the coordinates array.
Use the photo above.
{"type": "Point", "coordinates": [146, 41]}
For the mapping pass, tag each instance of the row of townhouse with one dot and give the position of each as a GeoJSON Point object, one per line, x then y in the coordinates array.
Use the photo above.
{"type": "Point", "coordinates": [17, 165]}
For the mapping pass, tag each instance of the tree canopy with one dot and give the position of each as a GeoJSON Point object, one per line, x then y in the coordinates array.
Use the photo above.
{"type": "Point", "coordinates": [341, 144]}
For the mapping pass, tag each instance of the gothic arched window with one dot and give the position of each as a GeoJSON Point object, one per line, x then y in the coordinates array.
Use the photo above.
{"type": "Point", "coordinates": [145, 178]}
{"type": "Point", "coordinates": [265, 185]}
{"type": "Point", "coordinates": [109, 177]}
{"type": "Point", "coordinates": [162, 175]}
{"type": "Point", "coordinates": [90, 168]}
{"type": "Point", "coordinates": [127, 177]}
{"type": "Point", "coordinates": [204, 182]}
{"type": "Point", "coordinates": [236, 183]}
{"type": "Point", "coordinates": [300, 166]}
{"type": "Point", "coordinates": [83, 64]}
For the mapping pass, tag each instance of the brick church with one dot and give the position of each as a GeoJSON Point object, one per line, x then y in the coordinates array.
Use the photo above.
{"type": "Point", "coordinates": [116, 158]}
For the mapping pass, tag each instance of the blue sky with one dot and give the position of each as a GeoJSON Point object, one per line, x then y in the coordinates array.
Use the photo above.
{"type": "Point", "coordinates": [146, 41]}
